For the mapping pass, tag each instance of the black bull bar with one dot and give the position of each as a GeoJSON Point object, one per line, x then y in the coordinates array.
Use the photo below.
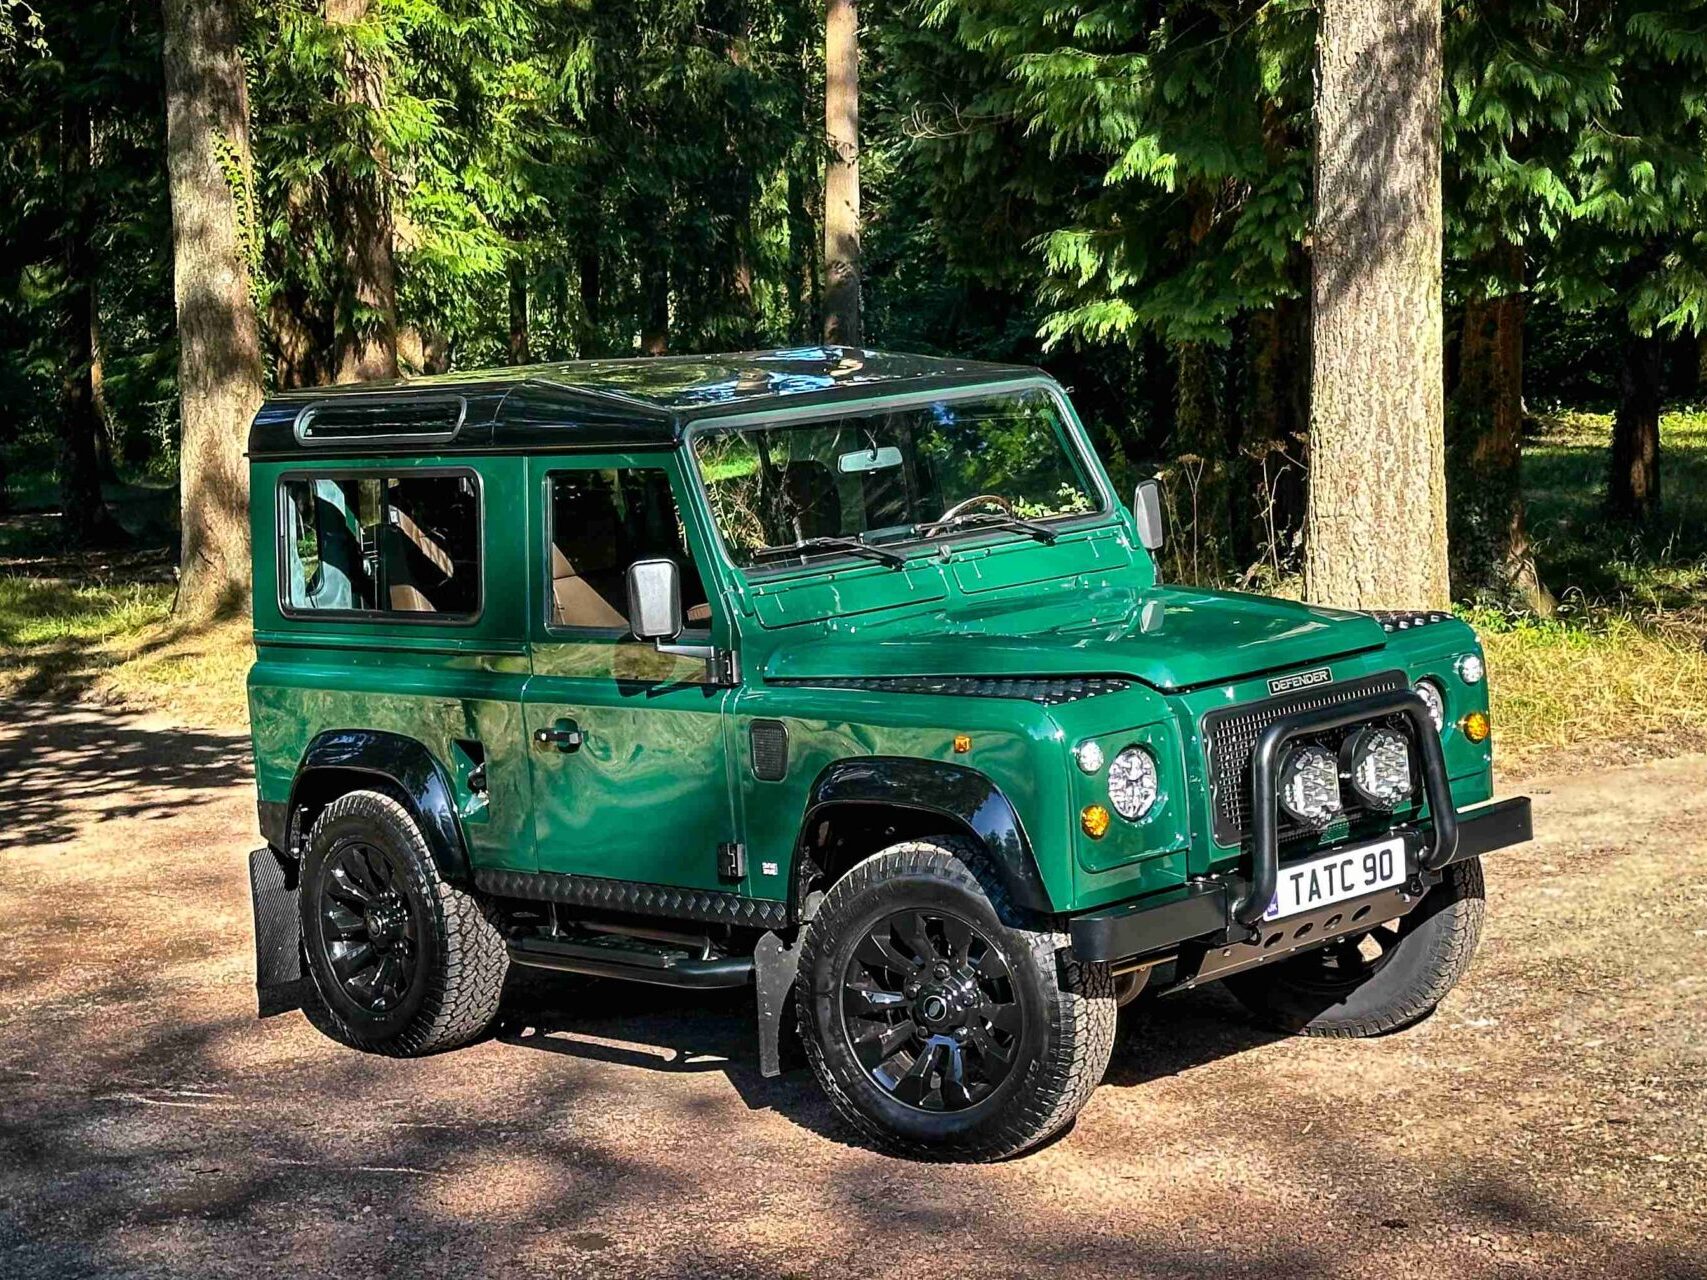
{"type": "Point", "coordinates": [1222, 911]}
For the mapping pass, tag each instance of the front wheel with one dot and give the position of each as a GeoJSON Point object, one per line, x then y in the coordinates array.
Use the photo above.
{"type": "Point", "coordinates": [1368, 984]}
{"type": "Point", "coordinates": [937, 1022]}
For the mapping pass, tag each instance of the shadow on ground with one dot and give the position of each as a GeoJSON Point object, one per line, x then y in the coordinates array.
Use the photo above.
{"type": "Point", "coordinates": [68, 766]}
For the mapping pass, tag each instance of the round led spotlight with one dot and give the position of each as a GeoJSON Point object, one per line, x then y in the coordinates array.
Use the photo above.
{"type": "Point", "coordinates": [1378, 761]}
{"type": "Point", "coordinates": [1471, 668]}
{"type": "Point", "coordinates": [1310, 785]}
{"type": "Point", "coordinates": [1436, 700]}
{"type": "Point", "coordinates": [1132, 783]}
{"type": "Point", "coordinates": [1089, 757]}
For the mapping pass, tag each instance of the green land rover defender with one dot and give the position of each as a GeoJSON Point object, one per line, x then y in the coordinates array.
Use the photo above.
{"type": "Point", "coordinates": [844, 676]}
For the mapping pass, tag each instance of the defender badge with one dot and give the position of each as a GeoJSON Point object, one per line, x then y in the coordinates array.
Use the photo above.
{"type": "Point", "coordinates": [1303, 680]}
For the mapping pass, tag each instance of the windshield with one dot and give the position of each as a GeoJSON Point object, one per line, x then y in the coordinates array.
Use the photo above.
{"type": "Point", "coordinates": [890, 475]}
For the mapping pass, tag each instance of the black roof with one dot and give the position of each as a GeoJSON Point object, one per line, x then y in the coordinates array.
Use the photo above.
{"type": "Point", "coordinates": [635, 403]}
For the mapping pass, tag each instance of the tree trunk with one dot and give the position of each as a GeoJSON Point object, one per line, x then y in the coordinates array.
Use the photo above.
{"type": "Point", "coordinates": [1274, 441]}
{"type": "Point", "coordinates": [1491, 553]}
{"type": "Point", "coordinates": [367, 341]}
{"type": "Point", "coordinates": [1200, 462]}
{"type": "Point", "coordinates": [84, 519]}
{"type": "Point", "coordinates": [106, 425]}
{"type": "Point", "coordinates": [520, 348]}
{"type": "Point", "coordinates": [655, 323]}
{"type": "Point", "coordinates": [1377, 514]}
{"type": "Point", "coordinates": [296, 351]}
{"type": "Point", "coordinates": [591, 303]}
{"type": "Point", "coordinates": [219, 362]}
{"type": "Point", "coordinates": [1633, 491]}
{"type": "Point", "coordinates": [842, 322]}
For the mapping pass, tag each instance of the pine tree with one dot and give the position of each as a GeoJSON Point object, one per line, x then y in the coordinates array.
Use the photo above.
{"type": "Point", "coordinates": [1377, 518]}
{"type": "Point", "coordinates": [841, 181]}
{"type": "Point", "coordinates": [207, 151]}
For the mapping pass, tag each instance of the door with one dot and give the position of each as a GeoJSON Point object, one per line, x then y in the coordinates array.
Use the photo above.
{"type": "Point", "coordinates": [629, 764]}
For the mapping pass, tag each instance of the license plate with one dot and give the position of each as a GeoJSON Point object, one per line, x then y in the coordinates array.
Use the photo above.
{"type": "Point", "coordinates": [1337, 876]}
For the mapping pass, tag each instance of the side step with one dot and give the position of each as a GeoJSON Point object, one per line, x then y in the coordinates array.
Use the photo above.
{"type": "Point", "coordinates": [632, 960]}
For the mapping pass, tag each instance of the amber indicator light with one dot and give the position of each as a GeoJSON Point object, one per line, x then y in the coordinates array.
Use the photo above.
{"type": "Point", "coordinates": [1476, 727]}
{"type": "Point", "coordinates": [1095, 821]}
{"type": "Point", "coordinates": [962, 743]}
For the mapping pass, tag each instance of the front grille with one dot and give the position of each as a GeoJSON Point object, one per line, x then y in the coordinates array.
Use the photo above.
{"type": "Point", "coordinates": [1050, 692]}
{"type": "Point", "coordinates": [1230, 739]}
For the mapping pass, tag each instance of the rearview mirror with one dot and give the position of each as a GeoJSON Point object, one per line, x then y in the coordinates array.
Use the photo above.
{"type": "Point", "coordinates": [872, 459]}
{"type": "Point", "coordinates": [654, 600]}
{"type": "Point", "coordinates": [1147, 510]}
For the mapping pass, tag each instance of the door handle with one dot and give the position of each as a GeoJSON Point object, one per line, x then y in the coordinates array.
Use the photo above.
{"type": "Point", "coordinates": [565, 735]}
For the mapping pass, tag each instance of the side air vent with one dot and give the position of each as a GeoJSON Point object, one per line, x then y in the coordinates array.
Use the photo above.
{"type": "Point", "coordinates": [770, 749]}
{"type": "Point", "coordinates": [1406, 619]}
{"type": "Point", "coordinates": [1050, 691]}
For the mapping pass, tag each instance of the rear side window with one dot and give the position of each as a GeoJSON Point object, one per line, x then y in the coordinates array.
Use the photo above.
{"type": "Point", "coordinates": [377, 544]}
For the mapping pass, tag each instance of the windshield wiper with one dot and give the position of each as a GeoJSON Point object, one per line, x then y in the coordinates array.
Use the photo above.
{"type": "Point", "coordinates": [992, 520]}
{"type": "Point", "coordinates": [853, 546]}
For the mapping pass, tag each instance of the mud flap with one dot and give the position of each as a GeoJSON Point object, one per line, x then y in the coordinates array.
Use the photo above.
{"type": "Point", "coordinates": [278, 955]}
{"type": "Point", "coordinates": [774, 968]}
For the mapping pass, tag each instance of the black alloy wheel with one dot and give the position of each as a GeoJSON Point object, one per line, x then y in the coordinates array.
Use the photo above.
{"type": "Point", "coordinates": [368, 926]}
{"type": "Point", "coordinates": [402, 962]}
{"type": "Point", "coordinates": [941, 1021]}
{"type": "Point", "coordinates": [930, 1010]}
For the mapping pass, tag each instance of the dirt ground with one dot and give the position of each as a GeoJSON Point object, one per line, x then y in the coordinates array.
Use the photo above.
{"type": "Point", "coordinates": [1551, 1119]}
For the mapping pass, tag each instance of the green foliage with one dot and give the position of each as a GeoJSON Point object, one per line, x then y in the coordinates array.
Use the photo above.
{"type": "Point", "coordinates": [1638, 170]}
{"type": "Point", "coordinates": [1164, 147]}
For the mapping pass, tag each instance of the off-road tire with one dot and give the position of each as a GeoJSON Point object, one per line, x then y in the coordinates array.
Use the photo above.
{"type": "Point", "coordinates": [1435, 944]}
{"type": "Point", "coordinates": [461, 959]}
{"type": "Point", "coordinates": [1069, 1028]}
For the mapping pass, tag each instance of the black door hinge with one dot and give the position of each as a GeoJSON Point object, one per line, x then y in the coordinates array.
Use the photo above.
{"type": "Point", "coordinates": [732, 861]}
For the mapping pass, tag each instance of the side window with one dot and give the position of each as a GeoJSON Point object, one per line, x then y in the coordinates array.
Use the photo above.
{"type": "Point", "coordinates": [399, 544]}
{"type": "Point", "coordinates": [601, 522]}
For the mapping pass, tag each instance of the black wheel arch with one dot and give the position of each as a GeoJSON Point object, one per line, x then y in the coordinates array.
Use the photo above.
{"type": "Point", "coordinates": [338, 761]}
{"type": "Point", "coordinates": [870, 802]}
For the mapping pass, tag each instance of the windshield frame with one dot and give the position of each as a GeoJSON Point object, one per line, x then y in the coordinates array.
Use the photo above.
{"type": "Point", "coordinates": [1076, 445]}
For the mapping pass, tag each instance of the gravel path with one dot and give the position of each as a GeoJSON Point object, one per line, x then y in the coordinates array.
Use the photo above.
{"type": "Point", "coordinates": [1551, 1119]}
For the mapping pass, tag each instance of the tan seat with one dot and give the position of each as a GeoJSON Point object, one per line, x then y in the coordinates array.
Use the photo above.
{"type": "Point", "coordinates": [409, 549]}
{"type": "Point", "coordinates": [574, 601]}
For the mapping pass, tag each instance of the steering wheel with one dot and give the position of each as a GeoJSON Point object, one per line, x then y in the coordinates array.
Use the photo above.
{"type": "Point", "coordinates": [961, 508]}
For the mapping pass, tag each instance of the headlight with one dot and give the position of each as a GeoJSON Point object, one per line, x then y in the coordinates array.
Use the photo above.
{"type": "Point", "coordinates": [1471, 668]}
{"type": "Point", "coordinates": [1132, 783]}
{"type": "Point", "coordinates": [1310, 785]}
{"type": "Point", "coordinates": [1436, 700]}
{"type": "Point", "coordinates": [1379, 762]}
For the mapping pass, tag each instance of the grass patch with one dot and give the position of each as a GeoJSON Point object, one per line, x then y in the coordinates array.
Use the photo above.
{"type": "Point", "coordinates": [1612, 685]}
{"type": "Point", "coordinates": [1592, 563]}
{"type": "Point", "coordinates": [116, 641]}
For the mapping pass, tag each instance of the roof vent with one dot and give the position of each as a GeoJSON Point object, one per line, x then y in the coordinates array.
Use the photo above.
{"type": "Point", "coordinates": [381, 420]}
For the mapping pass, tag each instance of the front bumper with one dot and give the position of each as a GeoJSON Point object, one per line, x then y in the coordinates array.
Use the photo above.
{"type": "Point", "coordinates": [1200, 916]}
{"type": "Point", "coordinates": [1214, 926]}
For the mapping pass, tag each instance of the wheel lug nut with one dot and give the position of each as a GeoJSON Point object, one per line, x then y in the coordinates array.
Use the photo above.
{"type": "Point", "coordinates": [911, 990]}
{"type": "Point", "coordinates": [960, 1034]}
{"type": "Point", "coordinates": [942, 971]}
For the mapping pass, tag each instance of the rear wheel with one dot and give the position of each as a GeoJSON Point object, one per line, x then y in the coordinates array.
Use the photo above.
{"type": "Point", "coordinates": [940, 1024]}
{"type": "Point", "coordinates": [402, 963]}
{"type": "Point", "coordinates": [1387, 979]}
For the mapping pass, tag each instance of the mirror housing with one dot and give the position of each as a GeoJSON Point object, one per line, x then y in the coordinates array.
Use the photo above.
{"type": "Point", "coordinates": [655, 600]}
{"type": "Point", "coordinates": [1147, 511]}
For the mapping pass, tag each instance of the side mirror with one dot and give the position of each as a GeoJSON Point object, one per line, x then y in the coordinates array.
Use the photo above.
{"type": "Point", "coordinates": [1147, 510]}
{"type": "Point", "coordinates": [654, 600]}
